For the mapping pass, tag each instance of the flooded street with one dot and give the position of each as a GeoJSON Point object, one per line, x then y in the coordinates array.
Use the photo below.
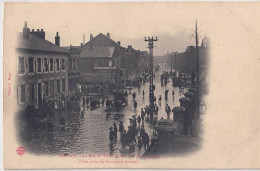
{"type": "Point", "coordinates": [90, 134]}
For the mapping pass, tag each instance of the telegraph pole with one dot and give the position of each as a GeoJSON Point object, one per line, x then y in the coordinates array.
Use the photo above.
{"type": "Point", "coordinates": [171, 62]}
{"type": "Point", "coordinates": [175, 62]}
{"type": "Point", "coordinates": [152, 87]}
{"type": "Point", "coordinates": [198, 83]}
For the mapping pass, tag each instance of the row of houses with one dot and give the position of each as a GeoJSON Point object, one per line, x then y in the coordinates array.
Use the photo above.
{"type": "Point", "coordinates": [46, 71]}
{"type": "Point", "coordinates": [187, 61]}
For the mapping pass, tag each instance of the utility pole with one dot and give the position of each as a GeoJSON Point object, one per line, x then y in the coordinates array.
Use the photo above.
{"type": "Point", "coordinates": [152, 87]}
{"type": "Point", "coordinates": [198, 83]}
{"type": "Point", "coordinates": [175, 63]}
{"type": "Point", "coordinates": [171, 62]}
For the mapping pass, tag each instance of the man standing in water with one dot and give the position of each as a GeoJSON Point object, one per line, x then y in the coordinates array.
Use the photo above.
{"type": "Point", "coordinates": [115, 131]}
{"type": "Point", "coordinates": [168, 110]}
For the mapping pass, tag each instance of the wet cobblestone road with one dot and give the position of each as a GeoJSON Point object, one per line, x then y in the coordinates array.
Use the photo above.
{"type": "Point", "coordinates": [90, 134]}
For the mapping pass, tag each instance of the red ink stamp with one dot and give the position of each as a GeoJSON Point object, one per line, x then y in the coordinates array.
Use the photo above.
{"type": "Point", "coordinates": [9, 84]}
{"type": "Point", "coordinates": [20, 151]}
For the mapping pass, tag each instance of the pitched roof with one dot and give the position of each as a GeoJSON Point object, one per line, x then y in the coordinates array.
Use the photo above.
{"type": "Point", "coordinates": [71, 47]}
{"type": "Point", "coordinates": [102, 40]}
{"type": "Point", "coordinates": [36, 43]}
{"type": "Point", "coordinates": [97, 51]}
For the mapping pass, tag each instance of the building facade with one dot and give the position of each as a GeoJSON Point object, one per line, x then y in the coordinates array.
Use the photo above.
{"type": "Point", "coordinates": [42, 69]}
{"type": "Point", "coordinates": [73, 69]}
{"type": "Point", "coordinates": [187, 62]}
{"type": "Point", "coordinates": [144, 61]}
{"type": "Point", "coordinates": [100, 58]}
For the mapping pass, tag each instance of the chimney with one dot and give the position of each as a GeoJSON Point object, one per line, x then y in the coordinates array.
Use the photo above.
{"type": "Point", "coordinates": [90, 45]}
{"type": "Point", "coordinates": [108, 35]}
{"type": "Point", "coordinates": [129, 46]}
{"type": "Point", "coordinates": [26, 31]}
{"type": "Point", "coordinates": [81, 44]}
{"type": "Point", "coordinates": [83, 38]}
{"type": "Point", "coordinates": [118, 42]}
{"type": "Point", "coordinates": [91, 37]}
{"type": "Point", "coordinates": [42, 34]}
{"type": "Point", "coordinates": [57, 39]}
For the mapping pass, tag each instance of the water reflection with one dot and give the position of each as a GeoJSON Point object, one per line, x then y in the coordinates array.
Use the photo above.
{"type": "Point", "coordinates": [87, 132]}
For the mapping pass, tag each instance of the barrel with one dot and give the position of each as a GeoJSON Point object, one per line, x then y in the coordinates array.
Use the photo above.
{"type": "Point", "coordinates": [178, 113]}
{"type": "Point", "coordinates": [191, 96]}
{"type": "Point", "coordinates": [185, 102]}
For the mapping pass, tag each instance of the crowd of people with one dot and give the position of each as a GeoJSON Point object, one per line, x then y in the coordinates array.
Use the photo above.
{"type": "Point", "coordinates": [134, 137]}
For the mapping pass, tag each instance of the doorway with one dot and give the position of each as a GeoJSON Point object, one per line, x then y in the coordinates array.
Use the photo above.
{"type": "Point", "coordinates": [39, 93]}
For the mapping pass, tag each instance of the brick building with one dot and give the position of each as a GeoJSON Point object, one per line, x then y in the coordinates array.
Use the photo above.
{"type": "Point", "coordinates": [187, 61]}
{"type": "Point", "coordinates": [42, 68]}
{"type": "Point", "coordinates": [99, 59]}
{"type": "Point", "coordinates": [73, 69]}
{"type": "Point", "coordinates": [144, 61]}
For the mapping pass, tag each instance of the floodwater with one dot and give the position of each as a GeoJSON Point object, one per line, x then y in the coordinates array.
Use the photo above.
{"type": "Point", "coordinates": [90, 134]}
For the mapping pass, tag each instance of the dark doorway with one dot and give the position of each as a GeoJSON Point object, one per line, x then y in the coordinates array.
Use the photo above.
{"type": "Point", "coordinates": [40, 93]}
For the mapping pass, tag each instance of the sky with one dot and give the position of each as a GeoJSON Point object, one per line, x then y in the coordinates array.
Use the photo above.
{"type": "Point", "coordinates": [128, 23]}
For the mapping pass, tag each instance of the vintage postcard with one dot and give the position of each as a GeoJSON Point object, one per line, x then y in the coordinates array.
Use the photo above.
{"type": "Point", "coordinates": [152, 85]}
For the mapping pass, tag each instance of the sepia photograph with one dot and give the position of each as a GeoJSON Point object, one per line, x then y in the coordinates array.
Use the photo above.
{"type": "Point", "coordinates": [103, 98]}
{"type": "Point", "coordinates": [115, 85]}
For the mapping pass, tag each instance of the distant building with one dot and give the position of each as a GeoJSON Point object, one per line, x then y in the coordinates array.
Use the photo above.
{"type": "Point", "coordinates": [144, 61]}
{"type": "Point", "coordinates": [73, 69]}
{"type": "Point", "coordinates": [187, 62]}
{"type": "Point", "coordinates": [99, 59]}
{"type": "Point", "coordinates": [42, 68]}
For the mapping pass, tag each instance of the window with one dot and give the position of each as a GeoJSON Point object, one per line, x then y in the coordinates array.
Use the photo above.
{"type": "Point", "coordinates": [52, 88]}
{"type": "Point", "coordinates": [63, 64]}
{"type": "Point", "coordinates": [58, 64]}
{"type": "Point", "coordinates": [110, 63]}
{"type": "Point", "coordinates": [21, 68]}
{"type": "Point", "coordinates": [39, 65]}
{"type": "Point", "coordinates": [22, 93]}
{"type": "Point", "coordinates": [63, 85]}
{"type": "Point", "coordinates": [70, 63]}
{"type": "Point", "coordinates": [58, 86]}
{"type": "Point", "coordinates": [31, 65]}
{"type": "Point", "coordinates": [45, 65]}
{"type": "Point", "coordinates": [51, 64]}
{"type": "Point", "coordinates": [74, 63]}
{"type": "Point", "coordinates": [46, 88]}
{"type": "Point", "coordinates": [31, 92]}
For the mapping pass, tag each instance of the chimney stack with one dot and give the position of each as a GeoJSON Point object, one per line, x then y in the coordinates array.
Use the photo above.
{"type": "Point", "coordinates": [42, 34]}
{"type": "Point", "coordinates": [91, 36]}
{"type": "Point", "coordinates": [26, 31]}
{"type": "Point", "coordinates": [119, 43]}
{"type": "Point", "coordinates": [108, 35]}
{"type": "Point", "coordinates": [83, 38]}
{"type": "Point", "coordinates": [129, 46]}
{"type": "Point", "coordinates": [57, 39]}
